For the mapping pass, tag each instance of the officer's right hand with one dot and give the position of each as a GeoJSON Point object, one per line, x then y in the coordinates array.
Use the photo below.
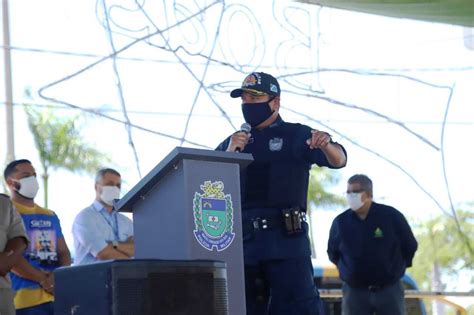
{"type": "Point", "coordinates": [238, 141]}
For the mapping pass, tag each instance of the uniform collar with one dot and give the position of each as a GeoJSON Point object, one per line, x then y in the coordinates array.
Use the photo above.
{"type": "Point", "coordinates": [278, 121]}
{"type": "Point", "coordinates": [97, 206]}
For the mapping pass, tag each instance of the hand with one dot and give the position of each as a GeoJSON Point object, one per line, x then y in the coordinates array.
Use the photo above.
{"type": "Point", "coordinates": [6, 262]}
{"type": "Point", "coordinates": [319, 139]}
{"type": "Point", "coordinates": [48, 283]}
{"type": "Point", "coordinates": [238, 140]}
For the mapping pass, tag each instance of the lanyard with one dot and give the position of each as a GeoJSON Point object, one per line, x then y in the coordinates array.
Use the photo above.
{"type": "Point", "coordinates": [113, 225]}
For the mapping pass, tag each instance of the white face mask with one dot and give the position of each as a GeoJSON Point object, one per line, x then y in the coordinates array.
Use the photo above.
{"type": "Point", "coordinates": [28, 187]}
{"type": "Point", "coordinates": [355, 201]}
{"type": "Point", "coordinates": [109, 193]}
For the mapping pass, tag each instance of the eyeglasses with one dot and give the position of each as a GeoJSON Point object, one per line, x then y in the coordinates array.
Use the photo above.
{"type": "Point", "coordinates": [354, 192]}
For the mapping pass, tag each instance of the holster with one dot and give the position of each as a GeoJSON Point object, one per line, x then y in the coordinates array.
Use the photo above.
{"type": "Point", "coordinates": [292, 218]}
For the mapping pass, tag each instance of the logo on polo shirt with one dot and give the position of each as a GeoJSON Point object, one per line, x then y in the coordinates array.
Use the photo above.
{"type": "Point", "coordinates": [378, 233]}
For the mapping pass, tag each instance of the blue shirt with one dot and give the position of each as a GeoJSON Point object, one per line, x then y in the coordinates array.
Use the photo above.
{"type": "Point", "coordinates": [374, 251]}
{"type": "Point", "coordinates": [276, 179]}
{"type": "Point", "coordinates": [93, 227]}
{"type": "Point", "coordinates": [44, 230]}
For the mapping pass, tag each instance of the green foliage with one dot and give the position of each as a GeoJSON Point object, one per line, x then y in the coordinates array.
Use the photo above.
{"type": "Point", "coordinates": [197, 213]}
{"type": "Point", "coordinates": [318, 196]}
{"type": "Point", "coordinates": [229, 214]}
{"type": "Point", "coordinates": [439, 241]}
{"type": "Point", "coordinates": [60, 144]}
{"type": "Point", "coordinates": [470, 309]}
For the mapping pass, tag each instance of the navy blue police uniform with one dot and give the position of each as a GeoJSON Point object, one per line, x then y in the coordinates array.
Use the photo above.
{"type": "Point", "coordinates": [277, 254]}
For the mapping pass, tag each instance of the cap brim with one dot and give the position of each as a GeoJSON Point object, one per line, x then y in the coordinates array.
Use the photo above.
{"type": "Point", "coordinates": [236, 93]}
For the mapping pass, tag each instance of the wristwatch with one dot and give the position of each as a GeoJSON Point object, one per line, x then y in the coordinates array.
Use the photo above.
{"type": "Point", "coordinates": [115, 244]}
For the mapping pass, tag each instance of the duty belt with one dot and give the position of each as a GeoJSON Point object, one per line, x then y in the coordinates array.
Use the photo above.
{"type": "Point", "coordinates": [288, 219]}
{"type": "Point", "coordinates": [372, 287]}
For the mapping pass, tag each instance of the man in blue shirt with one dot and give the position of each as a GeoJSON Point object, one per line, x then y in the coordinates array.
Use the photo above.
{"type": "Point", "coordinates": [33, 274]}
{"type": "Point", "coordinates": [274, 188]}
{"type": "Point", "coordinates": [99, 231]}
{"type": "Point", "coordinates": [372, 245]}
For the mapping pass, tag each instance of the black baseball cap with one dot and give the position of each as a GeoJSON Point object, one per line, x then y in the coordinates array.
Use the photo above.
{"type": "Point", "coordinates": [258, 83]}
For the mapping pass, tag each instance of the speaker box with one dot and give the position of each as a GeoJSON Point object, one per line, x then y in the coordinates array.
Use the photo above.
{"type": "Point", "coordinates": [142, 287]}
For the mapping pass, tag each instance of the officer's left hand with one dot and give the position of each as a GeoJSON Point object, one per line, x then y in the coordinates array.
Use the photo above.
{"type": "Point", "coordinates": [319, 139]}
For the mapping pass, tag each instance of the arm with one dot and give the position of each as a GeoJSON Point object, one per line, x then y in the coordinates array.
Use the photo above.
{"type": "Point", "coordinates": [86, 232]}
{"type": "Point", "coordinates": [64, 255]}
{"type": "Point", "coordinates": [109, 252]}
{"type": "Point", "coordinates": [25, 270]}
{"type": "Point", "coordinates": [333, 243]}
{"type": "Point", "coordinates": [12, 254]}
{"type": "Point", "coordinates": [408, 241]}
{"type": "Point", "coordinates": [238, 139]}
{"type": "Point", "coordinates": [127, 248]}
{"type": "Point", "coordinates": [334, 152]}
{"type": "Point", "coordinates": [16, 239]}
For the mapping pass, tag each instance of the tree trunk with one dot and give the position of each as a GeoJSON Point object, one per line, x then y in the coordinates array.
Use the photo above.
{"type": "Point", "coordinates": [45, 186]}
{"type": "Point", "coordinates": [437, 285]}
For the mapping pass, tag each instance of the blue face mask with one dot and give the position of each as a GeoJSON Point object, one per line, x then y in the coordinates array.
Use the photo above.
{"type": "Point", "coordinates": [256, 113]}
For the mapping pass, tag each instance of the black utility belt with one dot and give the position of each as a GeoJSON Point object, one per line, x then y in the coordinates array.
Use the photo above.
{"type": "Point", "coordinates": [290, 220]}
{"type": "Point", "coordinates": [373, 287]}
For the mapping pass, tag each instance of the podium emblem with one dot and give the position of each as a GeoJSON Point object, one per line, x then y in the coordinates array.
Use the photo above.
{"type": "Point", "coordinates": [213, 216]}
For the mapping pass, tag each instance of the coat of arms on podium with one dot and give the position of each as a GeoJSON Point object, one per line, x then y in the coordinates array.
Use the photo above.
{"type": "Point", "coordinates": [213, 216]}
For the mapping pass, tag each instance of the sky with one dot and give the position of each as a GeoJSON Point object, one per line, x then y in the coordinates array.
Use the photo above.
{"type": "Point", "coordinates": [396, 93]}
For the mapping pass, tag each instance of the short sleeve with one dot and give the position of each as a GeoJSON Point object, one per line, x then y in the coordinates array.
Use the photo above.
{"type": "Point", "coordinates": [17, 228]}
{"type": "Point", "coordinates": [86, 232]}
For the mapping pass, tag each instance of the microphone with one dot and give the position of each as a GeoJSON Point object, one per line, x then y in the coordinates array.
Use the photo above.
{"type": "Point", "coordinates": [245, 127]}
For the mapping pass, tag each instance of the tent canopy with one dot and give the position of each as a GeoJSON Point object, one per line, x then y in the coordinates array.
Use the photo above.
{"type": "Point", "coordinates": [457, 12]}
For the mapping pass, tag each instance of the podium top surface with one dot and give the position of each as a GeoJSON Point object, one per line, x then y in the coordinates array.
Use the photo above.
{"type": "Point", "coordinates": [125, 204]}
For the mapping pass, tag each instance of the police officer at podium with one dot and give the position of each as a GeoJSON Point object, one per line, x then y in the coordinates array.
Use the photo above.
{"type": "Point", "coordinates": [274, 187]}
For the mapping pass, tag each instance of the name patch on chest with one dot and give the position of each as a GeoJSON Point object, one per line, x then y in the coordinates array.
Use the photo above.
{"type": "Point", "coordinates": [275, 144]}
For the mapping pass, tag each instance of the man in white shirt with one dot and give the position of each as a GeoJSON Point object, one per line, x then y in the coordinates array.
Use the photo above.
{"type": "Point", "coordinates": [99, 231]}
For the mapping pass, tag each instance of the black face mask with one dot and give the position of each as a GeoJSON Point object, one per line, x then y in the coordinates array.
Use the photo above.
{"type": "Point", "coordinates": [256, 113]}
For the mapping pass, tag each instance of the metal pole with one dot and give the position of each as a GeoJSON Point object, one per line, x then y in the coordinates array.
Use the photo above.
{"type": "Point", "coordinates": [8, 83]}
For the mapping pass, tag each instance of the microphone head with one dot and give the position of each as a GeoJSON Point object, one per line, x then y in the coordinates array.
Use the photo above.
{"type": "Point", "coordinates": [245, 127]}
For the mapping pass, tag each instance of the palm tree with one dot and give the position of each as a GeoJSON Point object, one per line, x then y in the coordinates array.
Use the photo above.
{"type": "Point", "coordinates": [60, 144]}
